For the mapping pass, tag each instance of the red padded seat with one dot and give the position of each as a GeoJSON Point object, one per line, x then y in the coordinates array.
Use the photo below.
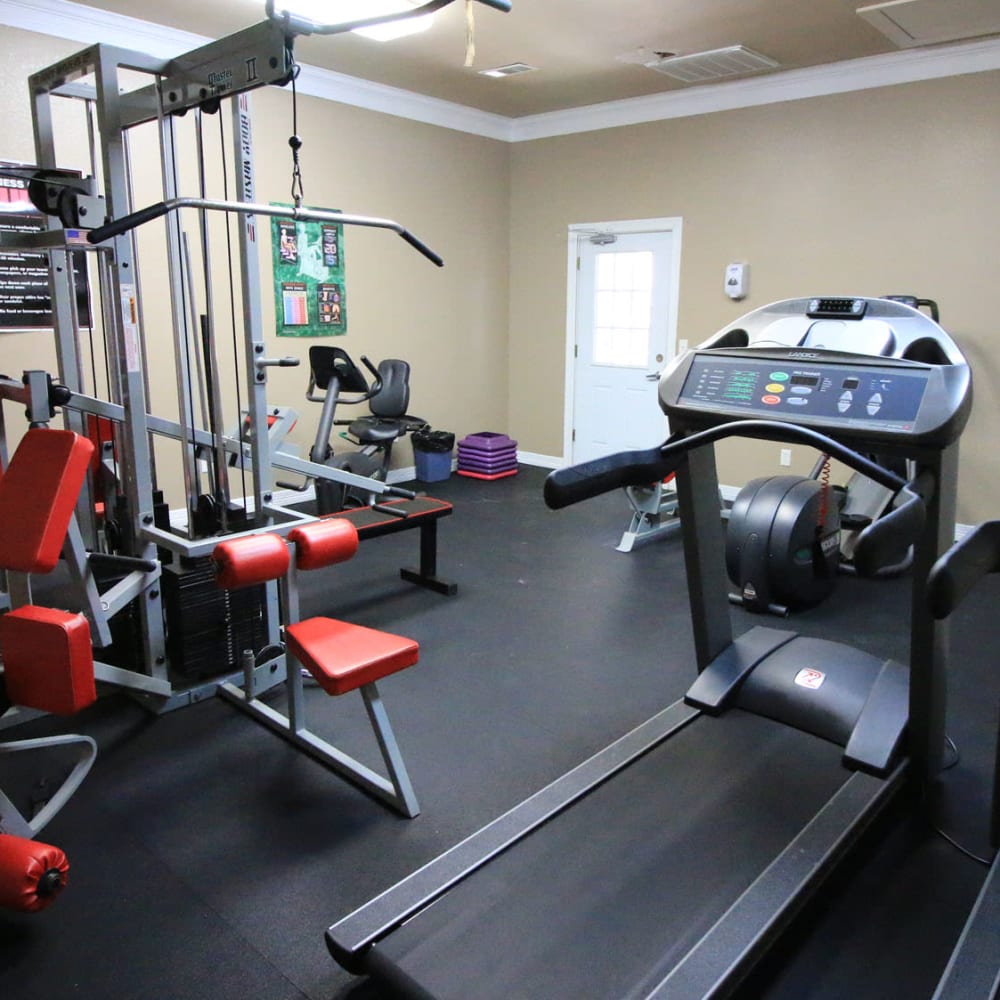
{"type": "Point", "coordinates": [48, 659]}
{"type": "Point", "coordinates": [342, 656]}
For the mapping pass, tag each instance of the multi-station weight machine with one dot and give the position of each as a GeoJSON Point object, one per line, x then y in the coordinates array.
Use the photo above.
{"type": "Point", "coordinates": [133, 564]}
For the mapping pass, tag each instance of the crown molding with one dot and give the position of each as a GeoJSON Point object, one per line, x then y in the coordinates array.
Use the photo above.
{"type": "Point", "coordinates": [790, 85]}
{"type": "Point", "coordinates": [87, 25]}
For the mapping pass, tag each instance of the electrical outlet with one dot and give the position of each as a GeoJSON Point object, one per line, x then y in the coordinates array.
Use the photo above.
{"type": "Point", "coordinates": [786, 456]}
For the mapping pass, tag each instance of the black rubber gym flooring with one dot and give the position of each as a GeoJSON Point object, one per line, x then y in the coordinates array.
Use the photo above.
{"type": "Point", "coordinates": [208, 857]}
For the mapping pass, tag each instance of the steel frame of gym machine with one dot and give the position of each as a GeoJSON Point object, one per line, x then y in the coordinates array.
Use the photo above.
{"type": "Point", "coordinates": [102, 224]}
{"type": "Point", "coordinates": [460, 914]}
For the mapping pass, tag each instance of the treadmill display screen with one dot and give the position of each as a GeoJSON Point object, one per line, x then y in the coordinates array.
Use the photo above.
{"type": "Point", "coordinates": [788, 389]}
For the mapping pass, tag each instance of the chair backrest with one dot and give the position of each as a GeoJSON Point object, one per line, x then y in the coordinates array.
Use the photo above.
{"type": "Point", "coordinates": [393, 398]}
{"type": "Point", "coordinates": [38, 494]}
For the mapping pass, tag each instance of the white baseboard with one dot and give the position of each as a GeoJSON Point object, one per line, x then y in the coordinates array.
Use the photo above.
{"type": "Point", "coordinates": [540, 461]}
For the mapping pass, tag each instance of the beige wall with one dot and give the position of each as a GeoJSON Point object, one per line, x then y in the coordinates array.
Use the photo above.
{"type": "Point", "coordinates": [888, 190]}
{"type": "Point", "coordinates": [448, 188]}
{"type": "Point", "coordinates": [883, 191]}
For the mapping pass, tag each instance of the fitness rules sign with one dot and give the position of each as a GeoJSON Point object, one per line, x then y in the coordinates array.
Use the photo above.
{"type": "Point", "coordinates": [308, 260]}
{"type": "Point", "coordinates": [25, 299]}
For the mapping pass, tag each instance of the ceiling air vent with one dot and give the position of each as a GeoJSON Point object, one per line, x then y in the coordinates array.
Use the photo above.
{"type": "Point", "coordinates": [715, 65]}
{"type": "Point", "coordinates": [924, 22]}
{"type": "Point", "coordinates": [511, 69]}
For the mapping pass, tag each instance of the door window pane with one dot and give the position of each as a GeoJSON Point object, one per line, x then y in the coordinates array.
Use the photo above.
{"type": "Point", "coordinates": [622, 297]}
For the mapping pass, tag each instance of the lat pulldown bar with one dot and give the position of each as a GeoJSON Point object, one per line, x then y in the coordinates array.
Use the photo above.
{"type": "Point", "coordinates": [135, 219]}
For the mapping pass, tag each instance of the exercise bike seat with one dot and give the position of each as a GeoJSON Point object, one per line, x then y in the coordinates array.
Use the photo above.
{"type": "Point", "coordinates": [388, 419]}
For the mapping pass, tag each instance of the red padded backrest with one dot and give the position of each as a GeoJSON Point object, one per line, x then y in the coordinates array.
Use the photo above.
{"type": "Point", "coordinates": [38, 493]}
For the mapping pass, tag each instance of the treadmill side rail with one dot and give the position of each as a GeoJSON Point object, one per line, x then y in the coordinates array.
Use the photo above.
{"type": "Point", "coordinates": [715, 965]}
{"type": "Point", "coordinates": [350, 938]}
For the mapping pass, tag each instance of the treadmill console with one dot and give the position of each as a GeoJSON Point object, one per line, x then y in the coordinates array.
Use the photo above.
{"type": "Point", "coordinates": [848, 396]}
{"type": "Point", "coordinates": [863, 370]}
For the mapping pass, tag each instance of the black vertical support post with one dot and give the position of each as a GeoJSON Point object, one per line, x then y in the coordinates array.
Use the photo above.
{"type": "Point", "coordinates": [928, 636]}
{"type": "Point", "coordinates": [428, 549]}
{"type": "Point", "coordinates": [697, 484]}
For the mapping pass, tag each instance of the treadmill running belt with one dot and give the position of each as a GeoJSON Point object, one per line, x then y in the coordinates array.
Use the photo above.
{"type": "Point", "coordinates": [606, 897]}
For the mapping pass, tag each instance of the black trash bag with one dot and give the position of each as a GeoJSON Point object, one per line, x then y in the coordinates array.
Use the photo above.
{"type": "Point", "coordinates": [433, 441]}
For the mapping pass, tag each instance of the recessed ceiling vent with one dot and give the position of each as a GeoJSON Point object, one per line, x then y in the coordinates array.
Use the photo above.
{"type": "Point", "coordinates": [735, 60]}
{"type": "Point", "coordinates": [924, 22]}
{"type": "Point", "coordinates": [511, 69]}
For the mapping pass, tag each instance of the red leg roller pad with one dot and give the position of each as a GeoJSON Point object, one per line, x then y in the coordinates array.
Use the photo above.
{"type": "Point", "coordinates": [252, 559]}
{"type": "Point", "coordinates": [323, 543]}
{"type": "Point", "coordinates": [48, 659]}
{"type": "Point", "coordinates": [31, 874]}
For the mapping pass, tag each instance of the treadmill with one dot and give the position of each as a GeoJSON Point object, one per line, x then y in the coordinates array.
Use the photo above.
{"type": "Point", "coordinates": [973, 972]}
{"type": "Point", "coordinates": [667, 863]}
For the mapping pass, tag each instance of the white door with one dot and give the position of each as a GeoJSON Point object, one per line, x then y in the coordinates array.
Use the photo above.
{"type": "Point", "coordinates": [625, 333]}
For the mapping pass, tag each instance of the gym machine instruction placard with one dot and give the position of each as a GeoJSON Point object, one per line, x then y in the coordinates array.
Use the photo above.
{"type": "Point", "coordinates": [308, 261]}
{"type": "Point", "coordinates": [25, 298]}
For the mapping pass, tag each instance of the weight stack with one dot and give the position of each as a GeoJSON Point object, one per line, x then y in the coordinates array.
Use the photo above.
{"type": "Point", "coordinates": [208, 627]}
{"type": "Point", "coordinates": [487, 455]}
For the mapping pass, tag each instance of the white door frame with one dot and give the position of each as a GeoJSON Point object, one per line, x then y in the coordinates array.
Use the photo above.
{"type": "Point", "coordinates": [584, 230]}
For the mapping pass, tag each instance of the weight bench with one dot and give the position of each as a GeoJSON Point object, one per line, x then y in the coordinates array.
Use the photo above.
{"type": "Point", "coordinates": [390, 516]}
{"type": "Point", "coordinates": [340, 656]}
{"type": "Point", "coordinates": [47, 655]}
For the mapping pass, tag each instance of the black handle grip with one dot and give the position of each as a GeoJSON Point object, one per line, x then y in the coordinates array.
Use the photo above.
{"type": "Point", "coordinates": [883, 539]}
{"type": "Point", "coordinates": [118, 226]}
{"type": "Point", "coordinates": [590, 479]}
{"type": "Point", "coordinates": [422, 247]}
{"type": "Point", "coordinates": [503, 5]}
{"type": "Point", "coordinates": [398, 491]}
{"type": "Point", "coordinates": [962, 566]}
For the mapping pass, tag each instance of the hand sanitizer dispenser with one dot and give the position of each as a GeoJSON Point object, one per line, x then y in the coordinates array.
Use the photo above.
{"type": "Point", "coordinates": [737, 280]}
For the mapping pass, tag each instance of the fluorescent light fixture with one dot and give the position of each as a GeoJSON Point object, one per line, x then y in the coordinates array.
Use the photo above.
{"type": "Point", "coordinates": [346, 11]}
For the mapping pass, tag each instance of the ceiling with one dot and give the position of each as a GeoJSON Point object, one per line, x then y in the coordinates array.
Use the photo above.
{"type": "Point", "coordinates": [587, 51]}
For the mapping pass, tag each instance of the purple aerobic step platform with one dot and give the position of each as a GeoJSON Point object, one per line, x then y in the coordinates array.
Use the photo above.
{"type": "Point", "coordinates": [487, 455]}
{"type": "Point", "coordinates": [481, 466]}
{"type": "Point", "coordinates": [487, 441]}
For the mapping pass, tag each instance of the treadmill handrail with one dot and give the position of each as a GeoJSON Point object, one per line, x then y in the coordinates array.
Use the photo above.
{"type": "Point", "coordinates": [901, 526]}
{"type": "Point", "coordinates": [960, 568]}
{"type": "Point", "coordinates": [574, 483]}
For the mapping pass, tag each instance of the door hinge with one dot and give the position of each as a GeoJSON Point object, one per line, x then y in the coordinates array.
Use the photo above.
{"type": "Point", "coordinates": [576, 350]}
{"type": "Point", "coordinates": [572, 436]}
{"type": "Point", "coordinates": [578, 263]}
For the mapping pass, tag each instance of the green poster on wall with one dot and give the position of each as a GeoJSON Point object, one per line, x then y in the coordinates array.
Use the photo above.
{"type": "Point", "coordinates": [308, 261]}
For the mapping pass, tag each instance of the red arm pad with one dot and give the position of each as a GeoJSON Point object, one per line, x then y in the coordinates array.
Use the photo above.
{"type": "Point", "coordinates": [38, 493]}
{"type": "Point", "coordinates": [31, 874]}
{"type": "Point", "coordinates": [243, 562]}
{"type": "Point", "coordinates": [322, 543]}
{"type": "Point", "coordinates": [48, 659]}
